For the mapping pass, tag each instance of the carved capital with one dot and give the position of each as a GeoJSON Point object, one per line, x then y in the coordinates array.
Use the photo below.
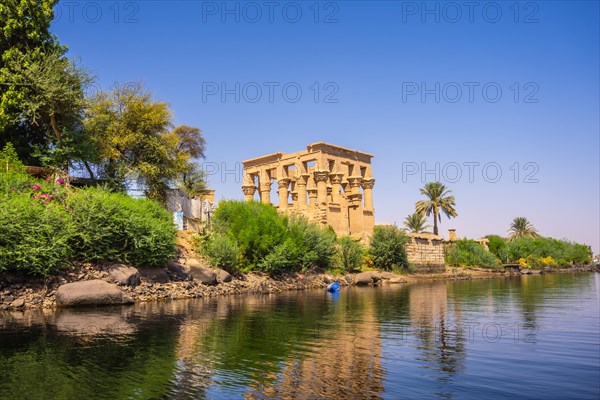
{"type": "Point", "coordinates": [321, 176]}
{"type": "Point", "coordinates": [354, 181]}
{"type": "Point", "coordinates": [336, 179]}
{"type": "Point", "coordinates": [312, 192]}
{"type": "Point", "coordinates": [283, 183]}
{"type": "Point", "coordinates": [302, 179]}
{"type": "Point", "coordinates": [294, 196]}
{"type": "Point", "coordinates": [249, 190]}
{"type": "Point", "coordinates": [368, 183]}
{"type": "Point", "coordinates": [265, 186]}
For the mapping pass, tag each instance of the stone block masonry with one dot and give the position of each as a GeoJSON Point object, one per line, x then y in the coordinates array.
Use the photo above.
{"type": "Point", "coordinates": [425, 252]}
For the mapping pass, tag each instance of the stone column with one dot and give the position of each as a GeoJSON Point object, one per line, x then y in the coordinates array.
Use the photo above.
{"type": "Point", "coordinates": [336, 187]}
{"type": "Point", "coordinates": [367, 185]}
{"type": "Point", "coordinates": [301, 189]}
{"type": "Point", "coordinates": [312, 197]}
{"type": "Point", "coordinates": [355, 207]}
{"type": "Point", "coordinates": [265, 192]}
{"type": "Point", "coordinates": [282, 190]}
{"type": "Point", "coordinates": [249, 191]}
{"type": "Point", "coordinates": [321, 179]}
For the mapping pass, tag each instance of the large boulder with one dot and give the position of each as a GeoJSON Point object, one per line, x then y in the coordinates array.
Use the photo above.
{"type": "Point", "coordinates": [155, 275]}
{"type": "Point", "coordinates": [90, 293]}
{"type": "Point", "coordinates": [204, 275]}
{"type": "Point", "coordinates": [363, 278]}
{"type": "Point", "coordinates": [125, 275]}
{"type": "Point", "coordinates": [223, 276]}
{"type": "Point", "coordinates": [179, 271]}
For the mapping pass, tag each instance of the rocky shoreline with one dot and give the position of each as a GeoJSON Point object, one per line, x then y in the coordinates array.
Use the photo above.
{"type": "Point", "coordinates": [89, 285]}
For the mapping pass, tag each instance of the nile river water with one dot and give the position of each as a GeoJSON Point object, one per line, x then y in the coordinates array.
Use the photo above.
{"type": "Point", "coordinates": [528, 337]}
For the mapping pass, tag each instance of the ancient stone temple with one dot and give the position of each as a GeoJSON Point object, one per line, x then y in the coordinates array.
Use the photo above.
{"type": "Point", "coordinates": [328, 184]}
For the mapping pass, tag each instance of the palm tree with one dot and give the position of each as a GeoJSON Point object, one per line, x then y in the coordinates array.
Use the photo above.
{"type": "Point", "coordinates": [415, 222]}
{"type": "Point", "coordinates": [437, 199]}
{"type": "Point", "coordinates": [521, 227]}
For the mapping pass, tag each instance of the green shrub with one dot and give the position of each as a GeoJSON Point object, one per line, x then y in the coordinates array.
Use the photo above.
{"type": "Point", "coordinates": [34, 237]}
{"type": "Point", "coordinates": [563, 253]}
{"type": "Point", "coordinates": [468, 253]}
{"type": "Point", "coordinates": [498, 247]}
{"type": "Point", "coordinates": [305, 246]}
{"type": "Point", "coordinates": [267, 241]}
{"type": "Point", "coordinates": [222, 252]}
{"type": "Point", "coordinates": [350, 254]}
{"type": "Point", "coordinates": [116, 227]}
{"type": "Point", "coordinates": [255, 228]}
{"type": "Point", "coordinates": [387, 248]}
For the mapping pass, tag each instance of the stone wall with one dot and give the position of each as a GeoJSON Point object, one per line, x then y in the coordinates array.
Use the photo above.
{"type": "Point", "coordinates": [425, 252]}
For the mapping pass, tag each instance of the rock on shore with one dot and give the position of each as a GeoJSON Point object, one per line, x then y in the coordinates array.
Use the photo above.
{"type": "Point", "coordinates": [90, 293]}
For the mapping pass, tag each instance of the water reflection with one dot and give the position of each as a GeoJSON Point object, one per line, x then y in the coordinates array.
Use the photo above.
{"type": "Point", "coordinates": [420, 340]}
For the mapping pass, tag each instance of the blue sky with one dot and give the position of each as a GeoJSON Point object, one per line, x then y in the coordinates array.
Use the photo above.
{"type": "Point", "coordinates": [494, 87]}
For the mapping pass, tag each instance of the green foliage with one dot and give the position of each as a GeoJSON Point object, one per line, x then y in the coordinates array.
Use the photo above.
{"type": "Point", "coordinates": [134, 140]}
{"type": "Point", "coordinates": [114, 226]}
{"type": "Point", "coordinates": [222, 252]}
{"type": "Point", "coordinates": [255, 227]}
{"type": "Point", "coordinates": [387, 248]}
{"type": "Point", "coordinates": [521, 227]}
{"type": "Point", "coordinates": [350, 254]}
{"type": "Point", "coordinates": [305, 246]}
{"type": "Point", "coordinates": [438, 199]}
{"type": "Point", "coordinates": [468, 253]}
{"type": "Point", "coordinates": [34, 237]}
{"type": "Point", "coordinates": [266, 241]}
{"type": "Point", "coordinates": [9, 160]}
{"type": "Point", "coordinates": [499, 247]}
{"type": "Point", "coordinates": [25, 32]}
{"type": "Point", "coordinates": [416, 222]}
{"type": "Point", "coordinates": [562, 252]}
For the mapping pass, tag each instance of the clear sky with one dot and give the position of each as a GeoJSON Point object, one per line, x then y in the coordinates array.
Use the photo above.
{"type": "Point", "coordinates": [477, 88]}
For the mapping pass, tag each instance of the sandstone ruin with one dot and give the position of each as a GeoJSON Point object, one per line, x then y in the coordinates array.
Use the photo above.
{"type": "Point", "coordinates": [328, 184]}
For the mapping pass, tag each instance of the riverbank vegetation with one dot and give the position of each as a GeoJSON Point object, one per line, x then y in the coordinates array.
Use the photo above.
{"type": "Point", "coordinates": [254, 237]}
{"type": "Point", "coordinates": [528, 250]}
{"type": "Point", "coordinates": [46, 225]}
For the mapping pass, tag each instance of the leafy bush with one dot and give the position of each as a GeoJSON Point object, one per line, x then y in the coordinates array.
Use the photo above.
{"type": "Point", "coordinates": [222, 252]}
{"type": "Point", "coordinates": [387, 248]}
{"type": "Point", "coordinates": [562, 252]}
{"type": "Point", "coordinates": [306, 245]}
{"type": "Point", "coordinates": [468, 253]}
{"type": "Point", "coordinates": [265, 240]}
{"type": "Point", "coordinates": [116, 227]}
{"type": "Point", "coordinates": [255, 228]}
{"type": "Point", "coordinates": [498, 247]}
{"type": "Point", "coordinates": [34, 237]}
{"type": "Point", "coordinates": [350, 254]}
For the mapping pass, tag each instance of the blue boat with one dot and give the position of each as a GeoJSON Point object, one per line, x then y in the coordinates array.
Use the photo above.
{"type": "Point", "coordinates": [333, 287]}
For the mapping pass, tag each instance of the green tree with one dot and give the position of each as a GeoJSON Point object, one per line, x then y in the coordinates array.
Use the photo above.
{"type": "Point", "coordinates": [521, 227]}
{"type": "Point", "coordinates": [387, 248]}
{"type": "Point", "coordinates": [416, 222]}
{"type": "Point", "coordinates": [136, 142]}
{"type": "Point", "coordinates": [190, 148]}
{"type": "Point", "coordinates": [437, 199]}
{"type": "Point", "coordinates": [24, 35]}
